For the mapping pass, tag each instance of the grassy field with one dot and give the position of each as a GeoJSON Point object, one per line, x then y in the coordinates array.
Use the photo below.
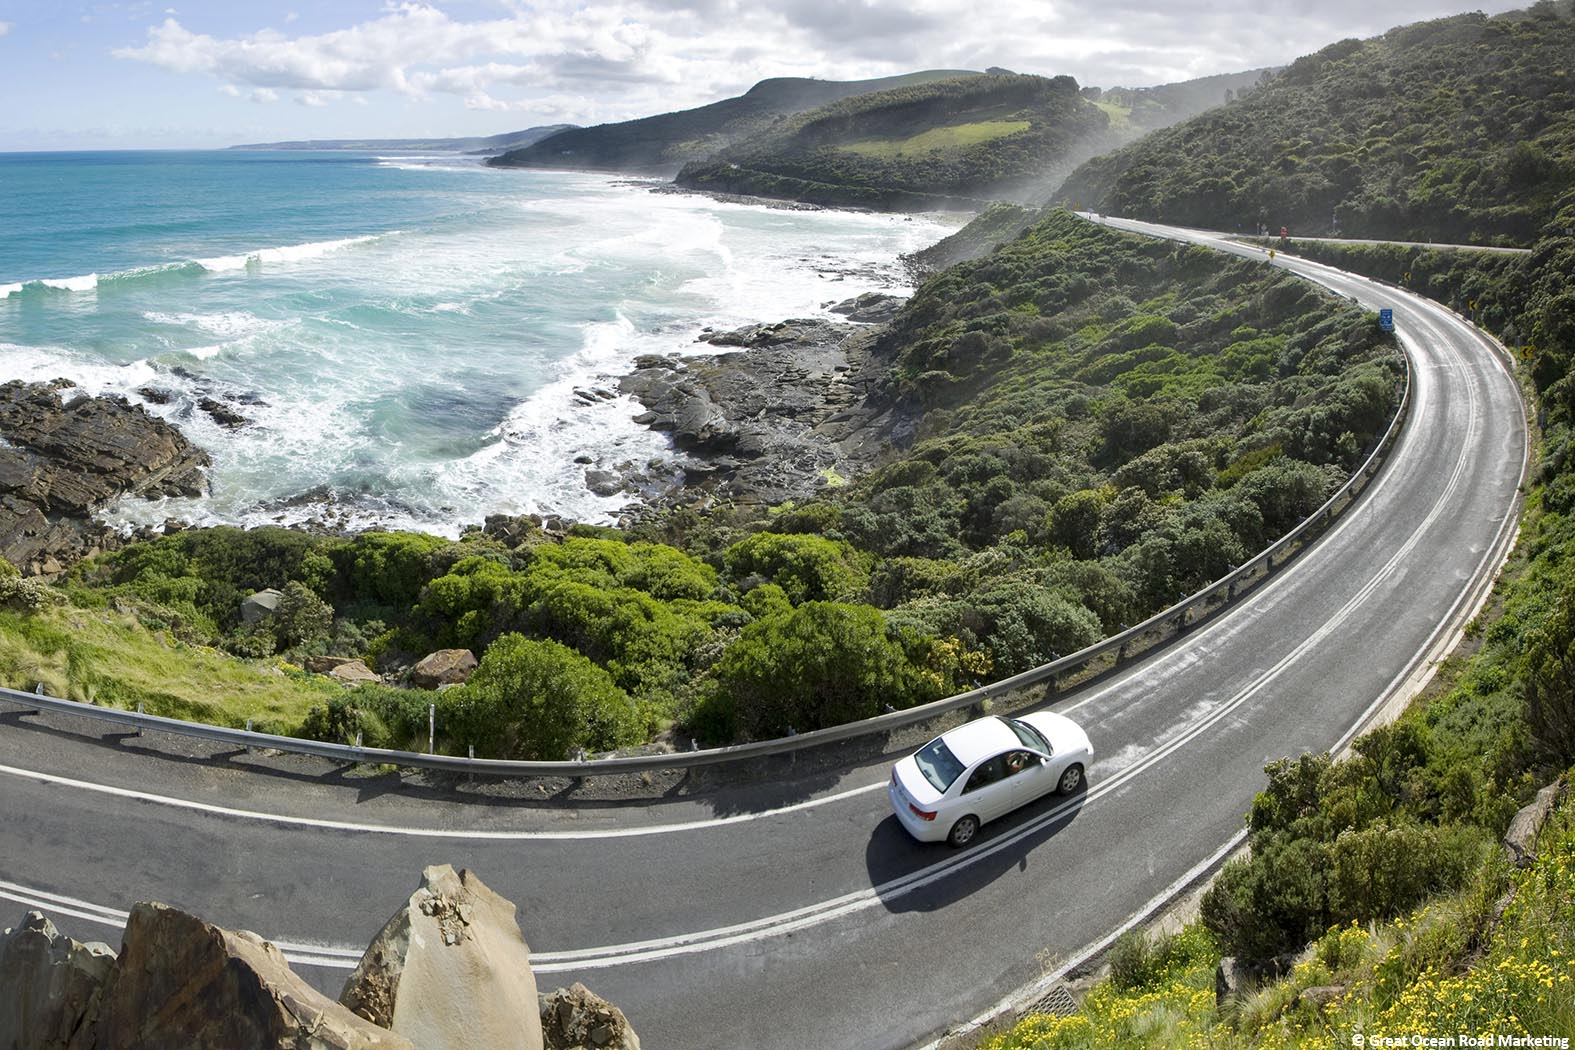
{"type": "Point", "coordinates": [1120, 116]}
{"type": "Point", "coordinates": [955, 136]}
{"type": "Point", "coordinates": [111, 659]}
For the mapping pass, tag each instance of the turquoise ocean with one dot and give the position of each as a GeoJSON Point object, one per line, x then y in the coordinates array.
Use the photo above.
{"type": "Point", "coordinates": [405, 333]}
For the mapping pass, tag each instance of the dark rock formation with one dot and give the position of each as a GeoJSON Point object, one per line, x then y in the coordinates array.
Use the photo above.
{"type": "Point", "coordinates": [576, 1018]}
{"type": "Point", "coordinates": [50, 986]}
{"type": "Point", "coordinates": [870, 308]}
{"type": "Point", "coordinates": [64, 458]}
{"type": "Point", "coordinates": [802, 405]}
{"type": "Point", "coordinates": [450, 970]}
{"type": "Point", "coordinates": [444, 667]}
{"type": "Point", "coordinates": [181, 983]}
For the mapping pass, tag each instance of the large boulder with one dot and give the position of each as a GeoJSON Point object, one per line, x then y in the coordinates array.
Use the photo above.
{"type": "Point", "coordinates": [183, 983]}
{"type": "Point", "coordinates": [49, 985]}
{"type": "Point", "coordinates": [1520, 839]}
{"type": "Point", "coordinates": [353, 672]}
{"type": "Point", "coordinates": [444, 667]}
{"type": "Point", "coordinates": [263, 605]}
{"type": "Point", "coordinates": [450, 970]}
{"type": "Point", "coordinates": [576, 1018]}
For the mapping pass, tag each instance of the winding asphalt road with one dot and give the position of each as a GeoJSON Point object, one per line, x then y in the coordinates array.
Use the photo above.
{"type": "Point", "coordinates": [745, 921]}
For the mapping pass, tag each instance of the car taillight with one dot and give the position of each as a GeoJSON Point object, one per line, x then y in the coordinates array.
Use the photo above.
{"type": "Point", "coordinates": [921, 814]}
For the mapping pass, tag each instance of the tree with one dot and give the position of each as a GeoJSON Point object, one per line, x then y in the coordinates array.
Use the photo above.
{"type": "Point", "coordinates": [820, 664]}
{"type": "Point", "coordinates": [540, 700]}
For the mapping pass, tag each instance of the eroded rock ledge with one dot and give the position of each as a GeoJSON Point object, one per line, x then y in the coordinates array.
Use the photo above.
{"type": "Point", "coordinates": [64, 456]}
{"type": "Point", "coordinates": [800, 405]}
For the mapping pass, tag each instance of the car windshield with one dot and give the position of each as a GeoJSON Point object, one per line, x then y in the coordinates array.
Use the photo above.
{"type": "Point", "coordinates": [939, 766]}
{"type": "Point", "coordinates": [1030, 736]}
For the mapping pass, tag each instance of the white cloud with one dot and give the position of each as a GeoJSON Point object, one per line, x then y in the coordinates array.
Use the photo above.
{"type": "Point", "coordinates": [230, 90]}
{"type": "Point", "coordinates": [264, 95]}
{"type": "Point", "coordinates": [314, 99]}
{"type": "Point", "coordinates": [291, 16]}
{"type": "Point", "coordinates": [622, 58]}
{"type": "Point", "coordinates": [5, 27]}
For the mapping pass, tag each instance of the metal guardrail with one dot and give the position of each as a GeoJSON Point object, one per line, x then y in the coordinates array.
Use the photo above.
{"type": "Point", "coordinates": [1207, 602]}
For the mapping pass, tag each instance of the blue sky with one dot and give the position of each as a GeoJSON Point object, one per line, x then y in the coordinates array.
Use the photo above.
{"type": "Point", "coordinates": [144, 74]}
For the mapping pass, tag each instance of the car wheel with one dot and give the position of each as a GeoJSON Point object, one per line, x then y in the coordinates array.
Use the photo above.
{"type": "Point", "coordinates": [1071, 779]}
{"type": "Point", "coordinates": [963, 832]}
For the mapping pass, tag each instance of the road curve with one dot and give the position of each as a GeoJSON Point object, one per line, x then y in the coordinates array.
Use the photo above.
{"type": "Point", "coordinates": [741, 922]}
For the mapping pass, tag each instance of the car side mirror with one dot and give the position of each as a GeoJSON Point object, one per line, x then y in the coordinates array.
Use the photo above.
{"type": "Point", "coordinates": [1044, 760]}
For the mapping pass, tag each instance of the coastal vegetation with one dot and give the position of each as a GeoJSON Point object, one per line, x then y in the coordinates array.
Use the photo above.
{"type": "Point", "coordinates": [1380, 876]}
{"type": "Point", "coordinates": [1456, 964]}
{"type": "Point", "coordinates": [1457, 130]}
{"type": "Point", "coordinates": [938, 144]}
{"type": "Point", "coordinates": [1100, 424]}
{"type": "Point", "coordinates": [667, 141]}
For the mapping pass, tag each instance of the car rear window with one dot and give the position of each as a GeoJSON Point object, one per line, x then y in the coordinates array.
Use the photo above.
{"type": "Point", "coordinates": [939, 766]}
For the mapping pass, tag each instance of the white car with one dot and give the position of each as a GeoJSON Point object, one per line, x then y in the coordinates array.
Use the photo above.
{"type": "Point", "coordinates": [985, 769]}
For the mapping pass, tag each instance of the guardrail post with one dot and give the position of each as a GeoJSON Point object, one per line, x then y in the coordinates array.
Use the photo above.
{"type": "Point", "coordinates": [248, 729]}
{"type": "Point", "coordinates": [139, 711]}
{"type": "Point", "coordinates": [432, 729]}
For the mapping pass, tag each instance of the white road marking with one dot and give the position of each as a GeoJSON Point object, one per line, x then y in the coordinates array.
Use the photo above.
{"type": "Point", "coordinates": [436, 833]}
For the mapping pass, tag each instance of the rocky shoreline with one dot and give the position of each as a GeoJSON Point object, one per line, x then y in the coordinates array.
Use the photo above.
{"type": "Point", "coordinates": [781, 412]}
{"type": "Point", "coordinates": [65, 456]}
{"type": "Point", "coordinates": [796, 407]}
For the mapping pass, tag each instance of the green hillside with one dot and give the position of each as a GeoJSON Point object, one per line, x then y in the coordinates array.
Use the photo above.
{"type": "Point", "coordinates": [949, 143]}
{"type": "Point", "coordinates": [665, 142]}
{"type": "Point", "coordinates": [1460, 129]}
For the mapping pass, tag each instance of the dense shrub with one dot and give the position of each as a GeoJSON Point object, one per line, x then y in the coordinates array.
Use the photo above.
{"type": "Point", "coordinates": [820, 664]}
{"type": "Point", "coordinates": [540, 700]}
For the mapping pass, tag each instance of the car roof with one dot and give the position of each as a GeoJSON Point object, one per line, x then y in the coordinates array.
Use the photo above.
{"type": "Point", "coordinates": [979, 739]}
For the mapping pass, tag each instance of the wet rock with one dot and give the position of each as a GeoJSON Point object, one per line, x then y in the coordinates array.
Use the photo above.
{"type": "Point", "coordinates": [576, 1018]}
{"type": "Point", "coordinates": [444, 667]}
{"type": "Point", "coordinates": [182, 983]}
{"type": "Point", "coordinates": [603, 482]}
{"type": "Point", "coordinates": [65, 456]}
{"type": "Point", "coordinates": [155, 396]}
{"type": "Point", "coordinates": [450, 970]}
{"type": "Point", "coordinates": [870, 308]}
{"type": "Point", "coordinates": [49, 985]}
{"type": "Point", "coordinates": [222, 414]}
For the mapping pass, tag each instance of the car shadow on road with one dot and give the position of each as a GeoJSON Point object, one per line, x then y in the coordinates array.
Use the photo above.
{"type": "Point", "coordinates": [912, 876]}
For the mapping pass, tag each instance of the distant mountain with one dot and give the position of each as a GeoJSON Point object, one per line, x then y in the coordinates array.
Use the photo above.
{"type": "Point", "coordinates": [488, 144]}
{"type": "Point", "coordinates": [1460, 129]}
{"type": "Point", "coordinates": [1150, 108]}
{"type": "Point", "coordinates": [945, 143]}
{"type": "Point", "coordinates": [664, 143]}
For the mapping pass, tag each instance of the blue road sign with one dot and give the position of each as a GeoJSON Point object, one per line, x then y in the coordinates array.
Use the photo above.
{"type": "Point", "coordinates": [1386, 320]}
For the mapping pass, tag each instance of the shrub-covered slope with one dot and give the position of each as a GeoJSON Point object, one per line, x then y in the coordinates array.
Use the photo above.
{"type": "Point", "coordinates": [1460, 129]}
{"type": "Point", "coordinates": [665, 142]}
{"type": "Point", "coordinates": [1095, 423]}
{"type": "Point", "coordinates": [949, 142]}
